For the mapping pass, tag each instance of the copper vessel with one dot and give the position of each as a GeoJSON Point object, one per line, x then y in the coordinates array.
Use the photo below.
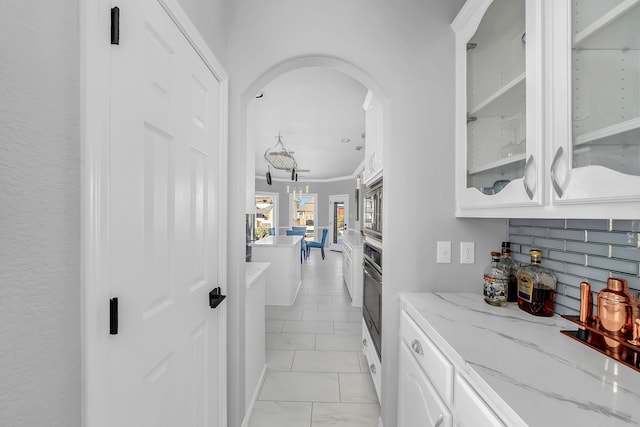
{"type": "Point", "coordinates": [617, 312]}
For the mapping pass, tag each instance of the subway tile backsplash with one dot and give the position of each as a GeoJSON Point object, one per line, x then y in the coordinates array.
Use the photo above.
{"type": "Point", "coordinates": [579, 250]}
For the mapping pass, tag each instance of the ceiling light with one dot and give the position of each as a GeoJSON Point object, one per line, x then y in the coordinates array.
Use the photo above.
{"type": "Point", "coordinates": [358, 147]}
{"type": "Point", "coordinates": [345, 140]}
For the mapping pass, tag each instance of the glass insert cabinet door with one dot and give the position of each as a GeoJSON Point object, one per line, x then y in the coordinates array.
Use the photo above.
{"type": "Point", "coordinates": [597, 154]}
{"type": "Point", "coordinates": [498, 105]}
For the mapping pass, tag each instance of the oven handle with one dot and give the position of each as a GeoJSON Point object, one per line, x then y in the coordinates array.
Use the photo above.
{"type": "Point", "coordinates": [370, 270]}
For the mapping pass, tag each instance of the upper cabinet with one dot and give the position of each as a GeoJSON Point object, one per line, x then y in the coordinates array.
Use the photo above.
{"type": "Point", "coordinates": [498, 105]}
{"type": "Point", "coordinates": [373, 137]}
{"type": "Point", "coordinates": [548, 108]}
{"type": "Point", "coordinates": [594, 92]}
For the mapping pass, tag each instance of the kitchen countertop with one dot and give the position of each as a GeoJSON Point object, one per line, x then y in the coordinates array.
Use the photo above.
{"type": "Point", "coordinates": [253, 271]}
{"type": "Point", "coordinates": [277, 241]}
{"type": "Point", "coordinates": [544, 377]}
{"type": "Point", "coordinates": [353, 237]}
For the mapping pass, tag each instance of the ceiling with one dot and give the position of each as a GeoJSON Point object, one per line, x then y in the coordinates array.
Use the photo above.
{"type": "Point", "coordinates": [314, 110]}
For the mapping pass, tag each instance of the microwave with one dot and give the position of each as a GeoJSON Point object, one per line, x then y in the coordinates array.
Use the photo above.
{"type": "Point", "coordinates": [373, 210]}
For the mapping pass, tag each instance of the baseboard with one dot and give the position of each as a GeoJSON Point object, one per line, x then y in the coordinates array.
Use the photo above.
{"type": "Point", "coordinates": [380, 422]}
{"type": "Point", "coordinates": [254, 398]}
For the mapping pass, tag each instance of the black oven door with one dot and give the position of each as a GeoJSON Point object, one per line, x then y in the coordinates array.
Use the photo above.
{"type": "Point", "coordinates": [372, 307]}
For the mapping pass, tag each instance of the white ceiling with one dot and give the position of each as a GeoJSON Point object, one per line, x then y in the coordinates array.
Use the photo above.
{"type": "Point", "coordinates": [313, 109]}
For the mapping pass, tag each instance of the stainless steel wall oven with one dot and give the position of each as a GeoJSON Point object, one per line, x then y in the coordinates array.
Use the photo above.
{"type": "Point", "coordinates": [372, 293]}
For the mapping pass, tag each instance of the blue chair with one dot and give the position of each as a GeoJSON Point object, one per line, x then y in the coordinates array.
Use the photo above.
{"type": "Point", "coordinates": [304, 251]}
{"type": "Point", "coordinates": [319, 244]}
{"type": "Point", "coordinates": [272, 231]}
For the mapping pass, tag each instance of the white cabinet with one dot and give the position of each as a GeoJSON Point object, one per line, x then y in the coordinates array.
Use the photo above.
{"type": "Point", "coordinates": [499, 134]}
{"type": "Point", "coordinates": [418, 402]}
{"type": "Point", "coordinates": [548, 109]}
{"type": "Point", "coordinates": [595, 104]}
{"type": "Point", "coordinates": [374, 138]}
{"type": "Point", "coordinates": [373, 362]}
{"type": "Point", "coordinates": [352, 269]}
{"type": "Point", "coordinates": [432, 390]}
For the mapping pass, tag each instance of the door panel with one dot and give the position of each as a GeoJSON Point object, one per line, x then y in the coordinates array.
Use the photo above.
{"type": "Point", "coordinates": [164, 225]}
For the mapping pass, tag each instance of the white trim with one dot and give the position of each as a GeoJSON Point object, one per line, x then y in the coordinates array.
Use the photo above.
{"type": "Point", "coordinates": [95, 64]}
{"type": "Point", "coordinates": [254, 398]}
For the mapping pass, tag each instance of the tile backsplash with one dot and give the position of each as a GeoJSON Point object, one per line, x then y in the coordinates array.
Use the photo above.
{"type": "Point", "coordinates": [579, 250]}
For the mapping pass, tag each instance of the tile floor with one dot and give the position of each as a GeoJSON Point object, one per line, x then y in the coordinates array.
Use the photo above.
{"type": "Point", "coordinates": [317, 375]}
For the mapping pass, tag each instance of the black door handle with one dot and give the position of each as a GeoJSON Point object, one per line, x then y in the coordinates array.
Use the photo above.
{"type": "Point", "coordinates": [215, 297]}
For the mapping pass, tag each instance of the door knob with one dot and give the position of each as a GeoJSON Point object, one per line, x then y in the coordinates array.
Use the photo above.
{"type": "Point", "coordinates": [215, 297]}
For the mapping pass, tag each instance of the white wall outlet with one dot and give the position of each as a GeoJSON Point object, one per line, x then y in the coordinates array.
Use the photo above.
{"type": "Point", "coordinates": [444, 253]}
{"type": "Point", "coordinates": [467, 252]}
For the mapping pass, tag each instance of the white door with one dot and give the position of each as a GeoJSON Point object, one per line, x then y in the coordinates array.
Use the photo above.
{"type": "Point", "coordinates": [338, 221]}
{"type": "Point", "coordinates": [164, 222]}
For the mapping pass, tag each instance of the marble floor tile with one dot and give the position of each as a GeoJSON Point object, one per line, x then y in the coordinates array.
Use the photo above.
{"type": "Point", "coordinates": [314, 298]}
{"type": "Point", "coordinates": [272, 314]}
{"type": "Point", "coordinates": [339, 342]}
{"type": "Point", "coordinates": [297, 306]}
{"type": "Point", "coordinates": [308, 327]}
{"type": "Point", "coordinates": [343, 306]}
{"type": "Point", "coordinates": [325, 291]}
{"type": "Point", "coordinates": [279, 360]}
{"type": "Point", "coordinates": [274, 326]}
{"type": "Point", "coordinates": [290, 341]}
{"type": "Point", "coordinates": [280, 414]}
{"type": "Point", "coordinates": [345, 415]}
{"type": "Point", "coordinates": [301, 387]}
{"type": "Point", "coordinates": [355, 316]}
{"type": "Point", "coordinates": [357, 388]}
{"type": "Point", "coordinates": [325, 315]}
{"type": "Point", "coordinates": [325, 361]}
{"type": "Point", "coordinates": [344, 299]}
{"type": "Point", "coordinates": [345, 328]}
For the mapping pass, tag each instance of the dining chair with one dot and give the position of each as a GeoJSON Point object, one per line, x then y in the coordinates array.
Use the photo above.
{"type": "Point", "coordinates": [319, 244]}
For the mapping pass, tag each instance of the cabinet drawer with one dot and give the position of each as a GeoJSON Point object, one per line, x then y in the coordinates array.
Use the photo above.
{"type": "Point", "coordinates": [435, 364]}
{"type": "Point", "coordinates": [469, 408]}
{"type": "Point", "coordinates": [419, 404]}
{"type": "Point", "coordinates": [375, 367]}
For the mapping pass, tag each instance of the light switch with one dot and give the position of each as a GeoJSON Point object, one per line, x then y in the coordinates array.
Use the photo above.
{"type": "Point", "coordinates": [444, 253]}
{"type": "Point", "coordinates": [467, 252]}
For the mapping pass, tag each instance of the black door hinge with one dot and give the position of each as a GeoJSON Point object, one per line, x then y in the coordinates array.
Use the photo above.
{"type": "Point", "coordinates": [115, 25]}
{"type": "Point", "coordinates": [113, 316]}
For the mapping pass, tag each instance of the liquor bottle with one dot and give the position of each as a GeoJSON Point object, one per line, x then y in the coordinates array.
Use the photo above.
{"type": "Point", "coordinates": [536, 287]}
{"type": "Point", "coordinates": [496, 282]}
{"type": "Point", "coordinates": [511, 269]}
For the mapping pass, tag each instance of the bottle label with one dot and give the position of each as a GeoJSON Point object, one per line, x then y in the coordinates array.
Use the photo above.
{"type": "Point", "coordinates": [525, 287]}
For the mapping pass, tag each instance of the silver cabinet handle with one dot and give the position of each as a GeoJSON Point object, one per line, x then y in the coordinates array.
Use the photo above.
{"type": "Point", "coordinates": [527, 165]}
{"type": "Point", "coordinates": [364, 342]}
{"type": "Point", "coordinates": [552, 171]}
{"type": "Point", "coordinates": [417, 347]}
{"type": "Point", "coordinates": [439, 421]}
{"type": "Point", "coordinates": [373, 368]}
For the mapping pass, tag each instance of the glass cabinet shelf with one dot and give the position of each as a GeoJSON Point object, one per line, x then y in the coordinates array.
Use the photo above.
{"type": "Point", "coordinates": [504, 102]}
{"type": "Point", "coordinates": [498, 164]}
{"type": "Point", "coordinates": [624, 133]}
{"type": "Point", "coordinates": [612, 27]}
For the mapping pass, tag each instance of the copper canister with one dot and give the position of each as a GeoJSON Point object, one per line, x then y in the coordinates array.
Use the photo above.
{"type": "Point", "coordinates": [616, 306]}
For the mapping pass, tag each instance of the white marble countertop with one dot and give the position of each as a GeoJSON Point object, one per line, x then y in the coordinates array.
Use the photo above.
{"type": "Point", "coordinates": [354, 238]}
{"type": "Point", "coordinates": [543, 376]}
{"type": "Point", "coordinates": [277, 241]}
{"type": "Point", "coordinates": [253, 271]}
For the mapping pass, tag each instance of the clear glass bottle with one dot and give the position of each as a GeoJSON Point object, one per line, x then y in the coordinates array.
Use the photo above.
{"type": "Point", "coordinates": [511, 269]}
{"type": "Point", "coordinates": [536, 287]}
{"type": "Point", "coordinates": [496, 282]}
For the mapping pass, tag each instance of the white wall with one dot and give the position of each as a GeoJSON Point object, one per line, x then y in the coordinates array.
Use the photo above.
{"type": "Point", "coordinates": [39, 214]}
{"type": "Point", "coordinates": [405, 48]}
